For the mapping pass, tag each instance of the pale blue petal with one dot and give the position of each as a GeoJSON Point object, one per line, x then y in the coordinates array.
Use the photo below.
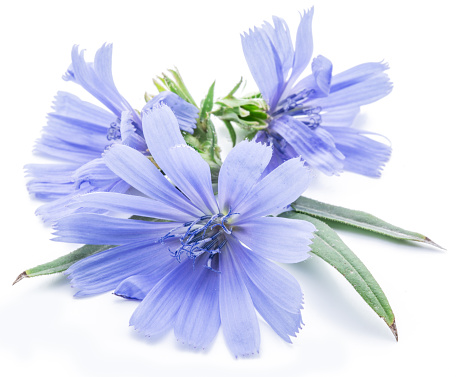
{"type": "Point", "coordinates": [357, 94]}
{"type": "Point", "coordinates": [98, 229]}
{"type": "Point", "coordinates": [357, 74]}
{"type": "Point", "coordinates": [129, 134]}
{"type": "Point", "coordinates": [185, 112]}
{"type": "Point", "coordinates": [80, 113]}
{"type": "Point", "coordinates": [339, 116]}
{"type": "Point", "coordinates": [96, 173]}
{"type": "Point", "coordinates": [264, 64]}
{"type": "Point", "coordinates": [97, 79]}
{"type": "Point", "coordinates": [363, 155]}
{"type": "Point", "coordinates": [281, 287]}
{"type": "Point", "coordinates": [275, 293]}
{"type": "Point", "coordinates": [141, 173]}
{"type": "Point", "coordinates": [274, 191]}
{"type": "Point", "coordinates": [239, 320]}
{"type": "Point", "coordinates": [130, 204]}
{"type": "Point", "coordinates": [304, 46]}
{"type": "Point", "coordinates": [50, 181]}
{"type": "Point", "coordinates": [322, 72]}
{"type": "Point", "coordinates": [102, 272]}
{"type": "Point", "coordinates": [157, 312]}
{"type": "Point", "coordinates": [279, 35]}
{"type": "Point", "coordinates": [181, 163]}
{"type": "Point", "coordinates": [198, 319]}
{"type": "Point", "coordinates": [276, 238]}
{"type": "Point", "coordinates": [240, 171]}
{"type": "Point", "coordinates": [138, 286]}
{"type": "Point", "coordinates": [315, 146]}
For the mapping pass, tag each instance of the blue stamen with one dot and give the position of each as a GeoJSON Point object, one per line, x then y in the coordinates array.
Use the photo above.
{"type": "Point", "coordinates": [114, 131]}
{"type": "Point", "coordinates": [206, 234]}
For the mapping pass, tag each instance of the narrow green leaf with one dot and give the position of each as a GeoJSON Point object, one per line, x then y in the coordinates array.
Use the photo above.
{"type": "Point", "coordinates": [329, 247]}
{"type": "Point", "coordinates": [62, 263]}
{"type": "Point", "coordinates": [231, 130]}
{"type": "Point", "coordinates": [357, 219]}
{"type": "Point", "coordinates": [235, 89]}
{"type": "Point", "coordinates": [180, 82]}
{"type": "Point", "coordinates": [208, 103]}
{"type": "Point", "coordinates": [159, 87]}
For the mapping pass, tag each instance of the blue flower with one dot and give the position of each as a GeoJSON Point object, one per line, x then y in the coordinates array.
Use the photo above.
{"type": "Point", "coordinates": [311, 117]}
{"type": "Point", "coordinates": [78, 132]}
{"type": "Point", "coordinates": [210, 262]}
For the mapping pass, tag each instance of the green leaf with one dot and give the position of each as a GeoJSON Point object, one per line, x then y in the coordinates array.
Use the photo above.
{"type": "Point", "coordinates": [357, 219]}
{"type": "Point", "coordinates": [207, 105]}
{"type": "Point", "coordinates": [329, 247]}
{"type": "Point", "coordinates": [235, 89]}
{"type": "Point", "coordinates": [62, 263]}
{"type": "Point", "coordinates": [159, 87]}
{"type": "Point", "coordinates": [180, 83]}
{"type": "Point", "coordinates": [231, 130]}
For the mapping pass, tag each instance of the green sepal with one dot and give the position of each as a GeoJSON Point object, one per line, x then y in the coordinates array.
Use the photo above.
{"type": "Point", "coordinates": [206, 106]}
{"type": "Point", "coordinates": [357, 219]}
{"type": "Point", "coordinates": [62, 263]}
{"type": "Point", "coordinates": [231, 131]}
{"type": "Point", "coordinates": [180, 83]}
{"type": "Point", "coordinates": [327, 245]}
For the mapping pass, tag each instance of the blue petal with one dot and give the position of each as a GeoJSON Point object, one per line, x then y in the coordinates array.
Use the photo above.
{"type": "Point", "coordinates": [240, 172]}
{"type": "Point", "coordinates": [264, 64]}
{"type": "Point", "coordinates": [198, 319]}
{"type": "Point", "coordinates": [276, 238]}
{"type": "Point", "coordinates": [130, 204]}
{"type": "Point", "coordinates": [102, 272]}
{"type": "Point", "coordinates": [139, 172]}
{"type": "Point", "coordinates": [157, 312]}
{"type": "Point", "coordinates": [237, 313]}
{"type": "Point", "coordinates": [98, 229]}
{"type": "Point", "coordinates": [339, 116]}
{"type": "Point", "coordinates": [129, 135]}
{"type": "Point", "coordinates": [279, 35]}
{"type": "Point", "coordinates": [315, 146]}
{"type": "Point", "coordinates": [96, 173]}
{"type": "Point", "coordinates": [304, 46]}
{"type": "Point", "coordinates": [137, 287]}
{"type": "Point", "coordinates": [50, 181]}
{"type": "Point", "coordinates": [181, 163]}
{"type": "Point", "coordinates": [322, 72]}
{"type": "Point", "coordinates": [357, 74]}
{"type": "Point", "coordinates": [185, 112]}
{"type": "Point", "coordinates": [359, 90]}
{"type": "Point", "coordinates": [97, 79]}
{"type": "Point", "coordinates": [80, 113]}
{"type": "Point", "coordinates": [274, 192]}
{"type": "Point", "coordinates": [362, 154]}
{"type": "Point", "coordinates": [275, 293]}
{"type": "Point", "coordinates": [59, 208]}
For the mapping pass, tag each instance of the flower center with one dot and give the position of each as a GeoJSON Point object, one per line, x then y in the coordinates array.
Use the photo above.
{"type": "Point", "coordinates": [295, 106]}
{"type": "Point", "coordinates": [206, 234]}
{"type": "Point", "coordinates": [114, 131]}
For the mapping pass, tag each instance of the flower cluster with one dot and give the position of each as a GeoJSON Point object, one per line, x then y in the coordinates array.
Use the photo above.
{"type": "Point", "coordinates": [199, 252]}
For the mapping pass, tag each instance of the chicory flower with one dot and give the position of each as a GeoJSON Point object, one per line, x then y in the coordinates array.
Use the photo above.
{"type": "Point", "coordinates": [78, 132]}
{"type": "Point", "coordinates": [210, 263]}
{"type": "Point", "coordinates": [311, 117]}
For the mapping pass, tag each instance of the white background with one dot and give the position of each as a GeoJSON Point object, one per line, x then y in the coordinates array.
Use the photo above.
{"type": "Point", "coordinates": [45, 331]}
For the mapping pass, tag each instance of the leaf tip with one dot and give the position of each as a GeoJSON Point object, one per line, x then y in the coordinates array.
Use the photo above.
{"type": "Point", "coordinates": [393, 329]}
{"type": "Point", "coordinates": [430, 242]}
{"type": "Point", "coordinates": [20, 277]}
